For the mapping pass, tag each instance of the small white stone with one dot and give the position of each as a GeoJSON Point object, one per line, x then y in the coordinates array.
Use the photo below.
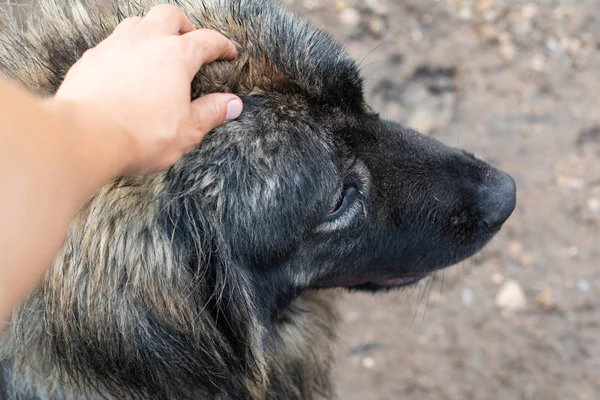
{"type": "Point", "coordinates": [529, 11]}
{"type": "Point", "coordinates": [465, 13]}
{"type": "Point", "coordinates": [575, 183]}
{"type": "Point", "coordinates": [573, 251]}
{"type": "Point", "coordinates": [377, 5]}
{"type": "Point", "coordinates": [511, 296]}
{"type": "Point", "coordinates": [583, 285]}
{"type": "Point", "coordinates": [350, 17]}
{"type": "Point", "coordinates": [538, 62]}
{"type": "Point", "coordinates": [376, 26]}
{"type": "Point", "coordinates": [416, 35]}
{"type": "Point", "coordinates": [497, 278]}
{"type": "Point", "coordinates": [552, 45]}
{"type": "Point", "coordinates": [467, 297]}
{"type": "Point", "coordinates": [368, 362]}
{"type": "Point", "coordinates": [593, 204]}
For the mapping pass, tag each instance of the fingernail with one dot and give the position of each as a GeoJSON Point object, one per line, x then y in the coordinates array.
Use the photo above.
{"type": "Point", "coordinates": [234, 109]}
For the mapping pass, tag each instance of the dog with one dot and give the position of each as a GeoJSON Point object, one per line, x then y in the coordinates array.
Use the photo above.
{"type": "Point", "coordinates": [216, 279]}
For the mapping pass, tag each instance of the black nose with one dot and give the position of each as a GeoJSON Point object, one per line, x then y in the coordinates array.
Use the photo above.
{"type": "Point", "coordinates": [496, 200]}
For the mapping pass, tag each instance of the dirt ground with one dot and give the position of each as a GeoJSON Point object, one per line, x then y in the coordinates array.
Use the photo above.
{"type": "Point", "coordinates": [517, 83]}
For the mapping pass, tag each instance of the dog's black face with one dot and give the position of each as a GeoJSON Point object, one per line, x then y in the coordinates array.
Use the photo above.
{"type": "Point", "coordinates": [420, 206]}
{"type": "Point", "coordinates": [327, 194]}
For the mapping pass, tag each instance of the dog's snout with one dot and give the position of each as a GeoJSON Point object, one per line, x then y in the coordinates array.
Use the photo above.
{"type": "Point", "coordinates": [496, 200]}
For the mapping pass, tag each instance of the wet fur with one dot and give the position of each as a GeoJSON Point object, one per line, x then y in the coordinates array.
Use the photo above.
{"type": "Point", "coordinates": [202, 281]}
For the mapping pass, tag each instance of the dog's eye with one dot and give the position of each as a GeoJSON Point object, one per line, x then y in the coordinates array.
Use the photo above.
{"type": "Point", "coordinates": [347, 197]}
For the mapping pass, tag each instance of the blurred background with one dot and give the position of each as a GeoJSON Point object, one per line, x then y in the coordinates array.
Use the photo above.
{"type": "Point", "coordinates": [518, 84]}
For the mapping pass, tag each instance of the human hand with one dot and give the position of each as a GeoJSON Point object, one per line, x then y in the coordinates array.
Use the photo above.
{"type": "Point", "coordinates": [140, 78]}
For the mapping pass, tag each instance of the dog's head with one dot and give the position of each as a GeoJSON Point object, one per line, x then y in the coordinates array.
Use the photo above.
{"type": "Point", "coordinates": [327, 194]}
{"type": "Point", "coordinates": [180, 278]}
{"type": "Point", "coordinates": [313, 189]}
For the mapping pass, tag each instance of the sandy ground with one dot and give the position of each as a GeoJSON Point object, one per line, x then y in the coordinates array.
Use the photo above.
{"type": "Point", "coordinates": [517, 83]}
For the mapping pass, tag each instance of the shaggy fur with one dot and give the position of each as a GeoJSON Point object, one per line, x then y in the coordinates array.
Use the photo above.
{"type": "Point", "coordinates": [210, 280]}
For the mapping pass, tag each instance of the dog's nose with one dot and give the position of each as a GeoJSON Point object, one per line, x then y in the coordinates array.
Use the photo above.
{"type": "Point", "coordinates": [496, 200]}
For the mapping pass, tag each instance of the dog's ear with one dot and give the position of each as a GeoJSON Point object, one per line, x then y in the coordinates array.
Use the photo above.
{"type": "Point", "coordinates": [140, 300]}
{"type": "Point", "coordinates": [195, 228]}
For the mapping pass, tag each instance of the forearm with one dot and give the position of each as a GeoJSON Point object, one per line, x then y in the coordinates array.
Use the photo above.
{"type": "Point", "coordinates": [53, 157]}
{"type": "Point", "coordinates": [131, 114]}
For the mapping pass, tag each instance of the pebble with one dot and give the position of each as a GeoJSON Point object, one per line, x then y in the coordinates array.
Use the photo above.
{"type": "Point", "coordinates": [573, 251]}
{"type": "Point", "coordinates": [527, 259]}
{"type": "Point", "coordinates": [515, 249]}
{"type": "Point", "coordinates": [376, 26]}
{"type": "Point", "coordinates": [487, 9]}
{"type": "Point", "coordinates": [378, 6]}
{"type": "Point", "coordinates": [521, 20]}
{"type": "Point", "coordinates": [529, 10]}
{"type": "Point", "coordinates": [501, 39]}
{"type": "Point", "coordinates": [511, 296]}
{"type": "Point", "coordinates": [506, 47]}
{"type": "Point", "coordinates": [465, 13]}
{"type": "Point", "coordinates": [538, 62]}
{"type": "Point", "coordinates": [497, 278]}
{"type": "Point", "coordinates": [544, 299]}
{"type": "Point", "coordinates": [583, 285]}
{"type": "Point", "coordinates": [467, 297]}
{"type": "Point", "coordinates": [594, 204]}
{"type": "Point", "coordinates": [421, 120]}
{"type": "Point", "coordinates": [350, 17]}
{"type": "Point", "coordinates": [416, 35]}
{"type": "Point", "coordinates": [487, 31]}
{"type": "Point", "coordinates": [340, 5]}
{"type": "Point", "coordinates": [577, 184]}
{"type": "Point", "coordinates": [368, 362]}
{"type": "Point", "coordinates": [570, 46]}
{"type": "Point", "coordinates": [566, 176]}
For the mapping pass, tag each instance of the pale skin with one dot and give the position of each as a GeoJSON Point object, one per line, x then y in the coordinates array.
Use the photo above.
{"type": "Point", "coordinates": [123, 109]}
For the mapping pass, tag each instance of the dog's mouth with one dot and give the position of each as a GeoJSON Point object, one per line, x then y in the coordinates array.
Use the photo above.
{"type": "Point", "coordinates": [376, 284]}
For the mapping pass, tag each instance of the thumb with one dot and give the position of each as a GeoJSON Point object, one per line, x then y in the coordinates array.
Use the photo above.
{"type": "Point", "coordinates": [213, 109]}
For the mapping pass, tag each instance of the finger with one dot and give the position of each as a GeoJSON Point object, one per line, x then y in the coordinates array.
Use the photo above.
{"type": "Point", "coordinates": [212, 110]}
{"type": "Point", "coordinates": [206, 46]}
{"type": "Point", "coordinates": [167, 18]}
{"type": "Point", "coordinates": [125, 25]}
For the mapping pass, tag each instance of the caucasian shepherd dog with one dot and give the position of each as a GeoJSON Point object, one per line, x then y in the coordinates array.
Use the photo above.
{"type": "Point", "coordinates": [212, 280]}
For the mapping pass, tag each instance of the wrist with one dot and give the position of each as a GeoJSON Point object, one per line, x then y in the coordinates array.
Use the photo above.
{"type": "Point", "coordinates": [101, 145]}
